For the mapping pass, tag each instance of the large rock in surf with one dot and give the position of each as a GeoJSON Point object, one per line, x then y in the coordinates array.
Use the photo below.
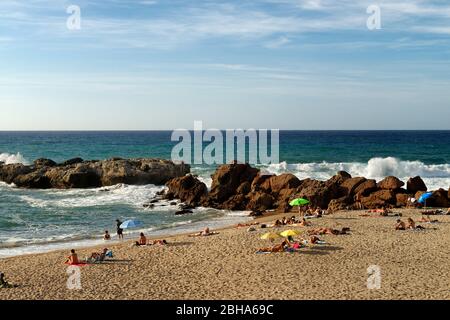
{"type": "Point", "coordinates": [45, 174]}
{"type": "Point", "coordinates": [415, 184]}
{"type": "Point", "coordinates": [188, 189]}
{"type": "Point", "coordinates": [226, 181]}
{"type": "Point", "coordinates": [439, 199]}
{"type": "Point", "coordinates": [390, 183]}
{"type": "Point", "coordinates": [378, 199]}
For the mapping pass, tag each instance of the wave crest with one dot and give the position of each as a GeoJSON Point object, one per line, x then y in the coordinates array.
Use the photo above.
{"type": "Point", "coordinates": [8, 158]}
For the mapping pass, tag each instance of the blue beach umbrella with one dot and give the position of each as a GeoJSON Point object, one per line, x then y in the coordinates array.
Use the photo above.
{"type": "Point", "coordinates": [423, 198]}
{"type": "Point", "coordinates": [129, 224]}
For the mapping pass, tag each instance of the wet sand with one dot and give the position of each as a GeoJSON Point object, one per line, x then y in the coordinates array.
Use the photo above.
{"type": "Point", "coordinates": [414, 265]}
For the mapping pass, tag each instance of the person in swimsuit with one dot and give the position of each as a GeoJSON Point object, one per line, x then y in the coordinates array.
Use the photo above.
{"type": "Point", "coordinates": [107, 236]}
{"type": "Point", "coordinates": [73, 258]}
{"type": "Point", "coordinates": [400, 225]}
{"type": "Point", "coordinates": [412, 225]}
{"type": "Point", "coordinates": [142, 240]}
{"type": "Point", "coordinates": [119, 229]}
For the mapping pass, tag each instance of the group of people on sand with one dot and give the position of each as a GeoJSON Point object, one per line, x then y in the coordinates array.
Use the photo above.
{"type": "Point", "coordinates": [411, 225]}
{"type": "Point", "coordinates": [205, 233]}
{"type": "Point", "coordinates": [384, 212]}
{"type": "Point", "coordinates": [144, 242]}
{"type": "Point", "coordinates": [289, 245]}
{"type": "Point", "coordinates": [323, 231]}
{"type": "Point", "coordinates": [73, 259]}
{"type": "Point", "coordinates": [310, 211]}
{"type": "Point", "coordinates": [292, 221]}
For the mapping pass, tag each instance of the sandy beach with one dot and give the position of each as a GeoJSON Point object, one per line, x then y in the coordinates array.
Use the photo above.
{"type": "Point", "coordinates": [414, 265]}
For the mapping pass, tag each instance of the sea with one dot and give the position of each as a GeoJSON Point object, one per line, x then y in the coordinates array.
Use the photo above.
{"type": "Point", "coordinates": [35, 221]}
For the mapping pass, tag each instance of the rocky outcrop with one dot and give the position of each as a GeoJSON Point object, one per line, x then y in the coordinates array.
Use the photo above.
{"type": "Point", "coordinates": [76, 173]}
{"type": "Point", "coordinates": [439, 199]}
{"type": "Point", "coordinates": [365, 188]}
{"type": "Point", "coordinates": [390, 183]}
{"type": "Point", "coordinates": [415, 184]}
{"type": "Point", "coordinates": [188, 189]}
{"type": "Point", "coordinates": [378, 199]}
{"type": "Point", "coordinates": [226, 181]}
{"type": "Point", "coordinates": [241, 187]}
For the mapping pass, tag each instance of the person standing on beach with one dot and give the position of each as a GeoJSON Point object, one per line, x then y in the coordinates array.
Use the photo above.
{"type": "Point", "coordinates": [119, 229]}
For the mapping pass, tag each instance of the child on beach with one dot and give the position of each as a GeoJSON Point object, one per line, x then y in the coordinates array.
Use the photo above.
{"type": "Point", "coordinates": [107, 236]}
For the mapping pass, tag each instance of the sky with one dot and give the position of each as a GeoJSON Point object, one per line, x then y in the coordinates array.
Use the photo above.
{"type": "Point", "coordinates": [285, 64]}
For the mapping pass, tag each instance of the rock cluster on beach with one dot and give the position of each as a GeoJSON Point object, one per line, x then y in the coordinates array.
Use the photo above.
{"type": "Point", "coordinates": [242, 187]}
{"type": "Point", "coordinates": [76, 173]}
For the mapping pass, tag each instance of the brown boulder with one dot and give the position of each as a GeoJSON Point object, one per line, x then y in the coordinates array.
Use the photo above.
{"type": "Point", "coordinates": [188, 189]}
{"type": "Point", "coordinates": [9, 172]}
{"type": "Point", "coordinates": [402, 199]}
{"type": "Point", "coordinates": [244, 188]}
{"type": "Point", "coordinates": [390, 183]}
{"type": "Point", "coordinates": [415, 184]}
{"type": "Point", "coordinates": [275, 184]}
{"type": "Point", "coordinates": [44, 163]}
{"type": "Point", "coordinates": [227, 179]}
{"type": "Point", "coordinates": [237, 202]}
{"type": "Point", "coordinates": [381, 198]}
{"type": "Point", "coordinates": [259, 201]}
{"type": "Point", "coordinates": [365, 188]}
{"type": "Point", "coordinates": [348, 187]}
{"type": "Point", "coordinates": [439, 199]}
{"type": "Point", "coordinates": [338, 204]}
{"type": "Point", "coordinates": [340, 177]}
{"type": "Point", "coordinates": [319, 193]}
{"type": "Point", "coordinates": [261, 182]}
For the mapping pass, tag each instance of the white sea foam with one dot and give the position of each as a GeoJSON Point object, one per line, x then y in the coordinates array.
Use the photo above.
{"type": "Point", "coordinates": [435, 175]}
{"type": "Point", "coordinates": [135, 196]}
{"type": "Point", "coordinates": [8, 158]}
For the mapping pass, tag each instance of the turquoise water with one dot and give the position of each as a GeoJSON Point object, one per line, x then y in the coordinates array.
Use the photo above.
{"type": "Point", "coordinates": [36, 220]}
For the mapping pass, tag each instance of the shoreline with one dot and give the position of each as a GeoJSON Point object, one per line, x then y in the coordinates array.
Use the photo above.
{"type": "Point", "coordinates": [225, 266]}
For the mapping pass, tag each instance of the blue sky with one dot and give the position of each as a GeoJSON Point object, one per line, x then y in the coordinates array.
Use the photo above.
{"type": "Point", "coordinates": [287, 64]}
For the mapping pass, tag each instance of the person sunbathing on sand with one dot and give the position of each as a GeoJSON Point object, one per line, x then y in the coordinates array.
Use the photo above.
{"type": "Point", "coordinates": [204, 233]}
{"type": "Point", "coordinates": [428, 220]}
{"type": "Point", "coordinates": [245, 225]}
{"type": "Point", "coordinates": [159, 242]}
{"type": "Point", "coordinates": [323, 231]}
{"type": "Point", "coordinates": [95, 256]}
{"type": "Point", "coordinates": [400, 225]}
{"type": "Point", "coordinates": [278, 248]}
{"type": "Point", "coordinates": [412, 225]}
{"type": "Point", "coordinates": [73, 258]}
{"type": "Point", "coordinates": [304, 223]}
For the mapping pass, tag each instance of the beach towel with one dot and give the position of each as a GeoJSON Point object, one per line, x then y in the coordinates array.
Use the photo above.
{"type": "Point", "coordinates": [76, 265]}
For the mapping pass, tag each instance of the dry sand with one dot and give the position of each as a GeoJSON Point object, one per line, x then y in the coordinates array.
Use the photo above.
{"type": "Point", "coordinates": [414, 265]}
